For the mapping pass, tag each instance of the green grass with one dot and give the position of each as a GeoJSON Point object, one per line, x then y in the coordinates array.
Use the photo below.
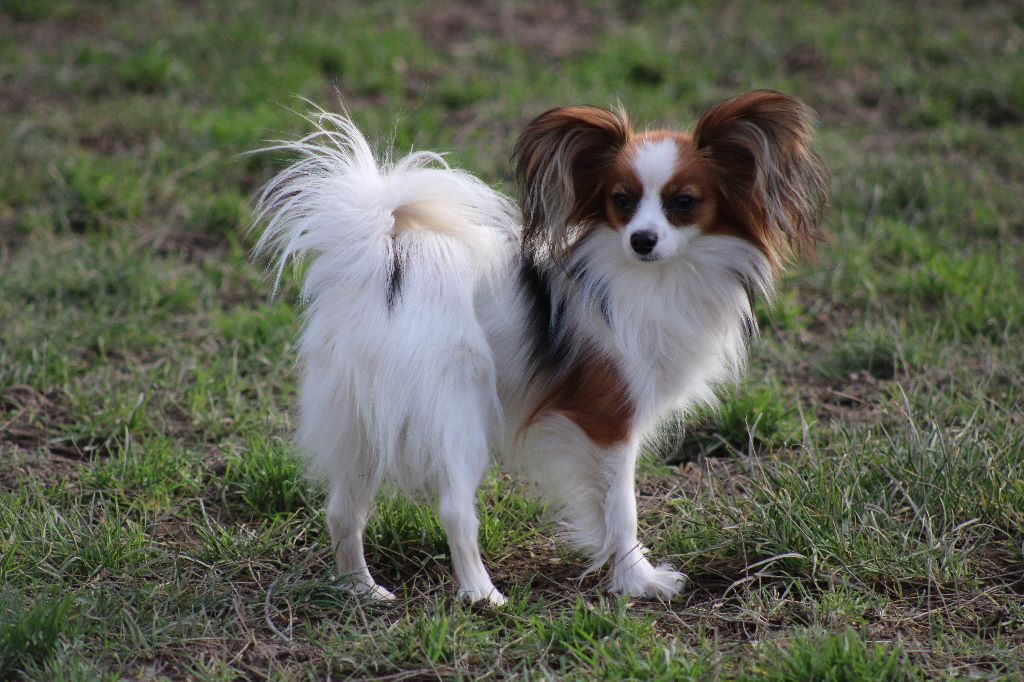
{"type": "Point", "coordinates": [852, 511]}
{"type": "Point", "coordinates": [32, 634]}
{"type": "Point", "coordinates": [841, 657]}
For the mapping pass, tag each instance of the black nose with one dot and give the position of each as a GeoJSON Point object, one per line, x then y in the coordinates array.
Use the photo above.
{"type": "Point", "coordinates": [643, 242]}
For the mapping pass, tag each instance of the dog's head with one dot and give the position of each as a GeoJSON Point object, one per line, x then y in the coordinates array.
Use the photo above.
{"type": "Point", "coordinates": [746, 171]}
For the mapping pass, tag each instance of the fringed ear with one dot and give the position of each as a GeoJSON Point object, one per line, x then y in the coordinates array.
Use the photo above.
{"type": "Point", "coordinates": [774, 187]}
{"type": "Point", "coordinates": [561, 162]}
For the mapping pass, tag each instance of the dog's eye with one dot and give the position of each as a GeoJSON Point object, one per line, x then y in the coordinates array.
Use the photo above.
{"type": "Point", "coordinates": [682, 203]}
{"type": "Point", "coordinates": [623, 202]}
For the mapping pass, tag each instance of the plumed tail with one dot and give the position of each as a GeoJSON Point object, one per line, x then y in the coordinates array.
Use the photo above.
{"type": "Point", "coordinates": [340, 201]}
{"type": "Point", "coordinates": [391, 347]}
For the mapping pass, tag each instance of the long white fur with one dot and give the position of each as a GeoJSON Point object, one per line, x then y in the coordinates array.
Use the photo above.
{"type": "Point", "coordinates": [402, 392]}
{"type": "Point", "coordinates": [412, 393]}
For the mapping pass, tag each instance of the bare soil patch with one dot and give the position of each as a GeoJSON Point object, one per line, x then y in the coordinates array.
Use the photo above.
{"type": "Point", "coordinates": [553, 30]}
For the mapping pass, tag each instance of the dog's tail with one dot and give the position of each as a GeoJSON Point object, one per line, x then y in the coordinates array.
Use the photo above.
{"type": "Point", "coordinates": [364, 218]}
{"type": "Point", "coordinates": [397, 251]}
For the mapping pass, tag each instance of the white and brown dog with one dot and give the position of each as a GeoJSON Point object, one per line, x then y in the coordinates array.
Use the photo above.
{"type": "Point", "coordinates": [440, 320]}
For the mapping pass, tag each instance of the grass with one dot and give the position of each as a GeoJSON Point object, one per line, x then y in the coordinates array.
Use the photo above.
{"type": "Point", "coordinates": [31, 634]}
{"type": "Point", "coordinates": [842, 657]}
{"type": "Point", "coordinates": [852, 511]}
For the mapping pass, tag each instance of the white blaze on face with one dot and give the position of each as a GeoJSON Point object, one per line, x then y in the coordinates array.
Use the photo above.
{"type": "Point", "coordinates": [655, 163]}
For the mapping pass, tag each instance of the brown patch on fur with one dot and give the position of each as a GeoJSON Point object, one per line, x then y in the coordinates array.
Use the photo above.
{"type": "Point", "coordinates": [594, 396]}
{"type": "Point", "coordinates": [623, 180]}
{"type": "Point", "coordinates": [562, 163]}
{"type": "Point", "coordinates": [692, 178]}
{"type": "Point", "coordinates": [772, 185]}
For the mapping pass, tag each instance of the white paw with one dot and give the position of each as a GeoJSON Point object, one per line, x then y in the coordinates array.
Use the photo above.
{"type": "Point", "coordinates": [493, 597]}
{"type": "Point", "coordinates": [640, 579]}
{"type": "Point", "coordinates": [380, 594]}
{"type": "Point", "coordinates": [370, 590]}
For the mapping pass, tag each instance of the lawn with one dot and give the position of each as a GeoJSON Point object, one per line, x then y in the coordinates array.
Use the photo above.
{"type": "Point", "coordinates": [854, 511]}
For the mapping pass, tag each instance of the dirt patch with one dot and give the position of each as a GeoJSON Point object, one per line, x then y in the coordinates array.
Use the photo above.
{"type": "Point", "coordinates": [18, 465]}
{"type": "Point", "coordinates": [806, 59]}
{"type": "Point", "coordinates": [550, 30]}
{"type": "Point", "coordinates": [44, 35]}
{"type": "Point", "coordinates": [189, 246]}
{"type": "Point", "coordinates": [31, 419]}
{"type": "Point", "coordinates": [30, 416]}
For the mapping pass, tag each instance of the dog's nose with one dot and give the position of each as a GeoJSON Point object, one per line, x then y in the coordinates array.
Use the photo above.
{"type": "Point", "coordinates": [643, 242]}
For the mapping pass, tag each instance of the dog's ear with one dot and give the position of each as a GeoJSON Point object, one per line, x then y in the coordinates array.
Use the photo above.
{"type": "Point", "coordinates": [561, 162]}
{"type": "Point", "coordinates": [774, 187]}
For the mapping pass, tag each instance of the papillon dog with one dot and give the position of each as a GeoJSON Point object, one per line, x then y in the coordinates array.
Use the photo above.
{"type": "Point", "coordinates": [443, 321]}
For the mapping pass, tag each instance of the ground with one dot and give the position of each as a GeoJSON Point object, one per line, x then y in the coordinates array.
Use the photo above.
{"type": "Point", "coordinates": [853, 512]}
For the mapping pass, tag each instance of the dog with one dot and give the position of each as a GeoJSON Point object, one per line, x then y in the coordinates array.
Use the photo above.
{"type": "Point", "coordinates": [442, 319]}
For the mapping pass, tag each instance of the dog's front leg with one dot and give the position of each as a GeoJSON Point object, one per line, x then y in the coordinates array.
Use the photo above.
{"type": "Point", "coordinates": [631, 572]}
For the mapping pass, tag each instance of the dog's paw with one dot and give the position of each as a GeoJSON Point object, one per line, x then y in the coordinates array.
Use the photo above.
{"type": "Point", "coordinates": [379, 593]}
{"type": "Point", "coordinates": [664, 582]}
{"type": "Point", "coordinates": [643, 580]}
{"type": "Point", "coordinates": [492, 596]}
{"type": "Point", "coordinates": [369, 590]}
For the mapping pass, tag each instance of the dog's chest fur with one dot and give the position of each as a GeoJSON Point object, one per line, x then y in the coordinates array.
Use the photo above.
{"type": "Point", "coordinates": [614, 344]}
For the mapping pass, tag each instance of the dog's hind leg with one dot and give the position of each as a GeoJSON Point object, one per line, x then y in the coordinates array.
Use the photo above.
{"type": "Point", "coordinates": [348, 507]}
{"type": "Point", "coordinates": [466, 458]}
{"type": "Point", "coordinates": [457, 510]}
